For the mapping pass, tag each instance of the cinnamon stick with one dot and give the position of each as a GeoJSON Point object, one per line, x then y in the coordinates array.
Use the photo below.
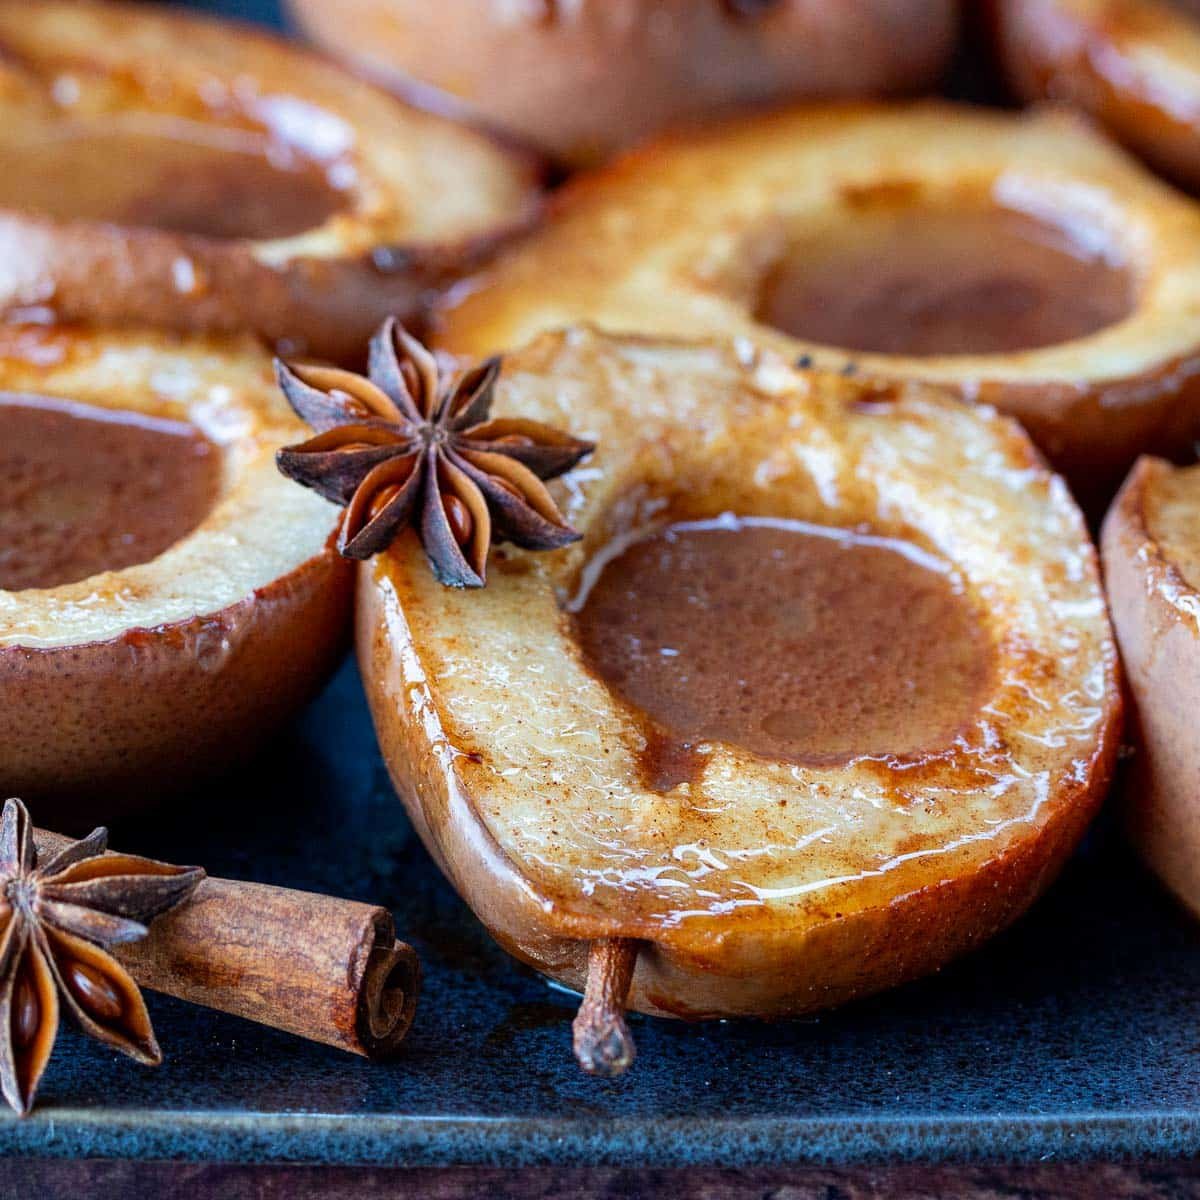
{"type": "Point", "coordinates": [603, 1043]}
{"type": "Point", "coordinates": [323, 968]}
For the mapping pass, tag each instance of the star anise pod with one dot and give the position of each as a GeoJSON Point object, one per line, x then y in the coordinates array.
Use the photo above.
{"type": "Point", "coordinates": [412, 443]}
{"type": "Point", "coordinates": [55, 920]}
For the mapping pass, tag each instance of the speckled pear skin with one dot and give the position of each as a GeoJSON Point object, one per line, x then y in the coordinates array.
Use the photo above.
{"type": "Point", "coordinates": [763, 888]}
{"type": "Point", "coordinates": [585, 78]}
{"type": "Point", "coordinates": [107, 728]}
{"type": "Point", "coordinates": [631, 248]}
{"type": "Point", "coordinates": [131, 684]}
{"type": "Point", "coordinates": [1134, 66]}
{"type": "Point", "coordinates": [421, 198]}
{"type": "Point", "coordinates": [1152, 571]}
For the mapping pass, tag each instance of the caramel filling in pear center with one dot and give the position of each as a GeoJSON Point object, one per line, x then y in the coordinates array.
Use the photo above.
{"type": "Point", "coordinates": [808, 644]}
{"type": "Point", "coordinates": [87, 490]}
{"type": "Point", "coordinates": [928, 282]}
{"type": "Point", "coordinates": [181, 176]}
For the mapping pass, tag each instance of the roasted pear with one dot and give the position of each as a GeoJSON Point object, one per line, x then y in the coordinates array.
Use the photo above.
{"type": "Point", "coordinates": [167, 599]}
{"type": "Point", "coordinates": [823, 697]}
{"type": "Point", "coordinates": [1133, 65]}
{"type": "Point", "coordinates": [169, 170]}
{"type": "Point", "coordinates": [1151, 552]}
{"type": "Point", "coordinates": [581, 79]}
{"type": "Point", "coordinates": [1020, 260]}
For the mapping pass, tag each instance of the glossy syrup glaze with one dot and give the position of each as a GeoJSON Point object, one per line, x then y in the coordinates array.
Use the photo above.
{"type": "Point", "coordinates": [798, 642]}
{"type": "Point", "coordinates": [509, 745]}
{"type": "Point", "coordinates": [85, 490]}
{"type": "Point", "coordinates": [1170, 507]}
{"type": "Point", "coordinates": [922, 282]}
{"type": "Point", "coordinates": [190, 177]}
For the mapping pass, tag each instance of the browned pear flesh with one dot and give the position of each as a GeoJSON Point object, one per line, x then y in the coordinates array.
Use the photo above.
{"type": "Point", "coordinates": [823, 697]}
{"type": "Point", "coordinates": [586, 77]}
{"type": "Point", "coordinates": [173, 171]}
{"type": "Point", "coordinates": [1134, 65]}
{"type": "Point", "coordinates": [1151, 552]}
{"type": "Point", "coordinates": [166, 597]}
{"type": "Point", "coordinates": [1019, 260]}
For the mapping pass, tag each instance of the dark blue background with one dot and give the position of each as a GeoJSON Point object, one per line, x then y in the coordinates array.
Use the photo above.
{"type": "Point", "coordinates": [1074, 1034]}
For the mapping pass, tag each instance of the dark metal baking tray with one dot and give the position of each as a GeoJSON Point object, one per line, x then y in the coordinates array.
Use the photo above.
{"type": "Point", "coordinates": [1076, 1035]}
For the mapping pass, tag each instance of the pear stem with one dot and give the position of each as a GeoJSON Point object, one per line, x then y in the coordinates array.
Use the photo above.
{"type": "Point", "coordinates": [603, 1045]}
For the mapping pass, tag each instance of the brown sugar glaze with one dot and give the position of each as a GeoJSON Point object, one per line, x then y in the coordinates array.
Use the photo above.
{"type": "Point", "coordinates": [87, 490]}
{"type": "Point", "coordinates": [186, 178]}
{"type": "Point", "coordinates": [921, 282]}
{"type": "Point", "coordinates": [795, 642]}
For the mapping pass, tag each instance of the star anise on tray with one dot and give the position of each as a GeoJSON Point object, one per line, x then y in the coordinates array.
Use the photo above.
{"type": "Point", "coordinates": [56, 918]}
{"type": "Point", "coordinates": [412, 443]}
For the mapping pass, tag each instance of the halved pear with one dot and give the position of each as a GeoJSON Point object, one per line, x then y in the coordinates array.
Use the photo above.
{"type": "Point", "coordinates": [583, 79]}
{"type": "Point", "coordinates": [1133, 65]}
{"type": "Point", "coordinates": [168, 170]}
{"type": "Point", "coordinates": [123, 684]}
{"type": "Point", "coordinates": [1151, 552]}
{"type": "Point", "coordinates": [761, 886]}
{"type": "Point", "coordinates": [1020, 260]}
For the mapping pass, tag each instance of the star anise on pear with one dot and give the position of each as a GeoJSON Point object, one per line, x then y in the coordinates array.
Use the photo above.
{"type": "Point", "coordinates": [56, 919]}
{"type": "Point", "coordinates": [412, 442]}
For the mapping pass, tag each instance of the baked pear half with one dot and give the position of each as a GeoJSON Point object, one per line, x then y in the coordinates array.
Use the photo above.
{"type": "Point", "coordinates": [822, 698]}
{"type": "Point", "coordinates": [171, 171]}
{"type": "Point", "coordinates": [1019, 260]}
{"type": "Point", "coordinates": [166, 597]}
{"type": "Point", "coordinates": [582, 79]}
{"type": "Point", "coordinates": [1134, 65]}
{"type": "Point", "coordinates": [1151, 553]}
